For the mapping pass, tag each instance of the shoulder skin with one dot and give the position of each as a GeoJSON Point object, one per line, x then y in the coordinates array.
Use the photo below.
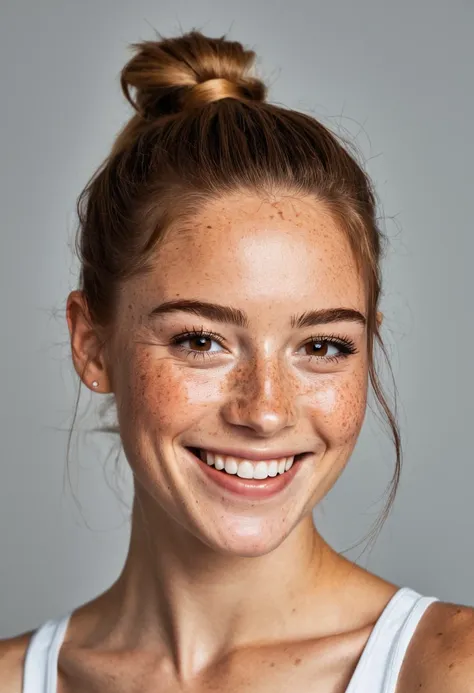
{"type": "Point", "coordinates": [12, 657]}
{"type": "Point", "coordinates": [440, 658]}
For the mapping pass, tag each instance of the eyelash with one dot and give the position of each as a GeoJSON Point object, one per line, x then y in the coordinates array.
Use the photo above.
{"type": "Point", "coordinates": [345, 344]}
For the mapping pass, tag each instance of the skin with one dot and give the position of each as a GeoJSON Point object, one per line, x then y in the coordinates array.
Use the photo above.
{"type": "Point", "coordinates": [219, 591]}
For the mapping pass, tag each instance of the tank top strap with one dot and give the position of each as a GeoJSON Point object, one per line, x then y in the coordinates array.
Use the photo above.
{"type": "Point", "coordinates": [40, 671]}
{"type": "Point", "coordinates": [379, 667]}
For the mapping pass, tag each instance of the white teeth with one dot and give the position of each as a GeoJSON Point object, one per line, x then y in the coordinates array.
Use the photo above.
{"type": "Point", "coordinates": [230, 465]}
{"type": "Point", "coordinates": [273, 468]}
{"type": "Point", "coordinates": [247, 469]}
{"type": "Point", "coordinates": [260, 471]}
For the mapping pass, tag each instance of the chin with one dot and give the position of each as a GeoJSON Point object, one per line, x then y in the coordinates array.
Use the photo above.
{"type": "Point", "coordinates": [249, 537]}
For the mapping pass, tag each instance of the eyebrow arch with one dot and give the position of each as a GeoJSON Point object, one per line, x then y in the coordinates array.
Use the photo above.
{"type": "Point", "coordinates": [237, 317]}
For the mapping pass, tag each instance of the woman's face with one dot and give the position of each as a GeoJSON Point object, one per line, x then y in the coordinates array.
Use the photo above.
{"type": "Point", "coordinates": [262, 383]}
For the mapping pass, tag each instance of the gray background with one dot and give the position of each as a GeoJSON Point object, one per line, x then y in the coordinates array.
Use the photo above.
{"type": "Point", "coordinates": [396, 77]}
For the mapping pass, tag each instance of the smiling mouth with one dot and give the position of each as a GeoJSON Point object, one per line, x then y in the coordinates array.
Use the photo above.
{"type": "Point", "coordinates": [247, 469]}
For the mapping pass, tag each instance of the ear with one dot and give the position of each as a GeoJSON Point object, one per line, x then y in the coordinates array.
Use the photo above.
{"type": "Point", "coordinates": [86, 347]}
{"type": "Point", "coordinates": [379, 318]}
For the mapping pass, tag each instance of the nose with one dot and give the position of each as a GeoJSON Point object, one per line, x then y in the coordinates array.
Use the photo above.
{"type": "Point", "coordinates": [262, 398]}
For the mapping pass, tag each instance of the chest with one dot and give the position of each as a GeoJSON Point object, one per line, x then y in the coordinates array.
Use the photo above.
{"type": "Point", "coordinates": [303, 667]}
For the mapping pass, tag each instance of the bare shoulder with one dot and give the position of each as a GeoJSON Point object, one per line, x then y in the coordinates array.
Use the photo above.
{"type": "Point", "coordinates": [12, 657]}
{"type": "Point", "coordinates": [440, 658]}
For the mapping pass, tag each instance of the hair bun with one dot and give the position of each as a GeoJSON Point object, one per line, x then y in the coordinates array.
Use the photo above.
{"type": "Point", "coordinates": [172, 75]}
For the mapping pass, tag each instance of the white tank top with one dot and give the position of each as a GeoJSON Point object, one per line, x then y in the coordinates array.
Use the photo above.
{"type": "Point", "coordinates": [376, 672]}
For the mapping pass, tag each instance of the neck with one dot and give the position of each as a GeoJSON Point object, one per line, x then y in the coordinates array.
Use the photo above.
{"type": "Point", "coordinates": [177, 594]}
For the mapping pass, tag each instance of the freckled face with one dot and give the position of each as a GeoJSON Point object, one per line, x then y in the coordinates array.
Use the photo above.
{"type": "Point", "coordinates": [267, 385]}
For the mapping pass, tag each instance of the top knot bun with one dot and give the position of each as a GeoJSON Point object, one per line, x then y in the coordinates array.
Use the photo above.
{"type": "Point", "coordinates": [173, 75]}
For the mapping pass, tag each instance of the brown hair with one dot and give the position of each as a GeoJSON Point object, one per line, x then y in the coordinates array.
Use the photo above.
{"type": "Point", "coordinates": [202, 128]}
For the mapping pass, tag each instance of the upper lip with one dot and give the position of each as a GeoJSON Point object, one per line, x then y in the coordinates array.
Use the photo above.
{"type": "Point", "coordinates": [253, 454]}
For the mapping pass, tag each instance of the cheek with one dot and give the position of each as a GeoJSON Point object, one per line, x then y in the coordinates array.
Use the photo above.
{"type": "Point", "coordinates": [149, 394]}
{"type": "Point", "coordinates": [161, 395]}
{"type": "Point", "coordinates": [339, 409]}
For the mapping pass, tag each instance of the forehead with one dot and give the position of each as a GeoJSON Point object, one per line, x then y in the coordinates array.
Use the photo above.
{"type": "Point", "coordinates": [244, 247]}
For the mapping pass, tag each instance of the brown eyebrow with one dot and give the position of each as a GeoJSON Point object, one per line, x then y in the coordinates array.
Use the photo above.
{"type": "Point", "coordinates": [235, 316]}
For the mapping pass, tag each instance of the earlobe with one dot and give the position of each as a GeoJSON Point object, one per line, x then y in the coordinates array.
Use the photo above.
{"type": "Point", "coordinates": [86, 347]}
{"type": "Point", "coordinates": [379, 318]}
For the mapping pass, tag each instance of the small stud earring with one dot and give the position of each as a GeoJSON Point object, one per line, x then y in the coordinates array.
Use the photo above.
{"type": "Point", "coordinates": [95, 383]}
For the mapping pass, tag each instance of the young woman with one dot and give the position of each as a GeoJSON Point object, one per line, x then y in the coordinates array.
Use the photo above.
{"type": "Point", "coordinates": [229, 303]}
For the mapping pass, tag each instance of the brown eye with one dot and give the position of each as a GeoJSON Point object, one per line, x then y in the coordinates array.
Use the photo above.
{"type": "Point", "coordinates": [194, 343]}
{"type": "Point", "coordinates": [329, 348]}
{"type": "Point", "coordinates": [198, 342]}
{"type": "Point", "coordinates": [317, 348]}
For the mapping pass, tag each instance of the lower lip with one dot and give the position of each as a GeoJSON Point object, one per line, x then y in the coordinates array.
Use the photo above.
{"type": "Point", "coordinates": [249, 488]}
